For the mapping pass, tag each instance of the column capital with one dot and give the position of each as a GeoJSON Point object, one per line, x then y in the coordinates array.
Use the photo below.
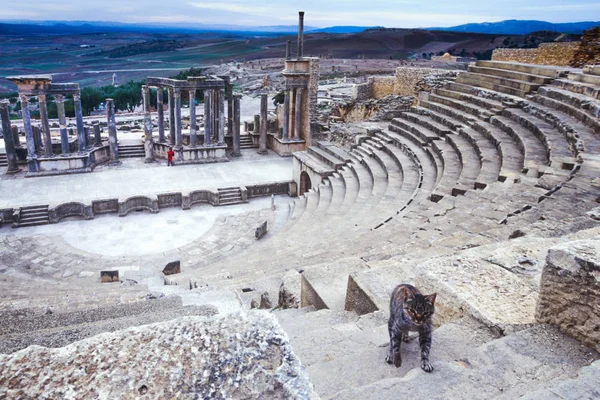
{"type": "Point", "coordinates": [59, 98]}
{"type": "Point", "coordinates": [24, 98]}
{"type": "Point", "coordinates": [41, 98]}
{"type": "Point", "coordinates": [77, 97]}
{"type": "Point", "coordinates": [177, 92]}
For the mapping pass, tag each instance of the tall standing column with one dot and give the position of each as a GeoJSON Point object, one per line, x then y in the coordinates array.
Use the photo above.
{"type": "Point", "coordinates": [230, 110]}
{"type": "Point", "coordinates": [9, 143]}
{"type": "Point", "coordinates": [161, 114]}
{"type": "Point", "coordinates": [31, 156]}
{"type": "Point", "coordinates": [300, 34]}
{"type": "Point", "coordinates": [207, 117]}
{"type": "Point", "coordinates": [236, 124]}
{"type": "Point", "coordinates": [97, 136]}
{"type": "Point", "coordinates": [178, 138]}
{"type": "Point", "coordinates": [171, 116]}
{"type": "Point", "coordinates": [262, 140]}
{"type": "Point", "coordinates": [62, 123]}
{"type": "Point", "coordinates": [286, 115]}
{"type": "Point", "coordinates": [37, 138]}
{"type": "Point", "coordinates": [221, 114]}
{"type": "Point", "coordinates": [193, 124]}
{"type": "Point", "coordinates": [298, 114]}
{"type": "Point", "coordinates": [112, 132]}
{"type": "Point", "coordinates": [47, 138]}
{"type": "Point", "coordinates": [291, 122]}
{"type": "Point", "coordinates": [148, 142]}
{"type": "Point", "coordinates": [79, 122]}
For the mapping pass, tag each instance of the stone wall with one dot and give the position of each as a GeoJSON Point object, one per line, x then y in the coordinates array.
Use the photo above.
{"type": "Point", "coordinates": [382, 86]}
{"type": "Point", "coordinates": [546, 54]}
{"type": "Point", "coordinates": [570, 289]}
{"type": "Point", "coordinates": [362, 91]}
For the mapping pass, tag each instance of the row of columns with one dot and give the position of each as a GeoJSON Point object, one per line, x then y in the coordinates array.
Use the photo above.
{"type": "Point", "coordinates": [292, 104]}
{"type": "Point", "coordinates": [214, 116]}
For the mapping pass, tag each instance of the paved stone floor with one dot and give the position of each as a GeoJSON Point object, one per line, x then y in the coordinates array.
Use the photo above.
{"type": "Point", "coordinates": [143, 233]}
{"type": "Point", "coordinates": [136, 178]}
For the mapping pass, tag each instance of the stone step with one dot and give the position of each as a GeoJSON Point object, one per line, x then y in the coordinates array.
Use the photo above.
{"type": "Point", "coordinates": [25, 224]}
{"type": "Point", "coordinates": [338, 193]}
{"type": "Point", "coordinates": [582, 102]}
{"type": "Point", "coordinates": [34, 208]}
{"type": "Point", "coordinates": [324, 285]}
{"type": "Point", "coordinates": [534, 152]}
{"type": "Point", "coordinates": [591, 89]}
{"type": "Point", "coordinates": [556, 144]}
{"type": "Point", "coordinates": [492, 106]}
{"type": "Point", "coordinates": [574, 112]}
{"type": "Point", "coordinates": [462, 105]}
{"type": "Point", "coordinates": [326, 157]}
{"type": "Point", "coordinates": [470, 161]}
{"type": "Point", "coordinates": [334, 150]}
{"type": "Point", "coordinates": [468, 78]}
{"type": "Point", "coordinates": [591, 70]}
{"type": "Point", "coordinates": [584, 386]}
{"type": "Point", "coordinates": [352, 187]}
{"type": "Point", "coordinates": [432, 125]}
{"type": "Point", "coordinates": [21, 329]}
{"type": "Point", "coordinates": [314, 163]}
{"type": "Point", "coordinates": [504, 98]}
{"type": "Point", "coordinates": [533, 69]}
{"type": "Point", "coordinates": [406, 122]}
{"type": "Point", "coordinates": [504, 368]}
{"type": "Point", "coordinates": [511, 74]}
{"type": "Point", "coordinates": [525, 86]}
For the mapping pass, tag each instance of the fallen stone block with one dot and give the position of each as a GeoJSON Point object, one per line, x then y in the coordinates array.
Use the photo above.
{"type": "Point", "coordinates": [109, 276]}
{"type": "Point", "coordinates": [172, 268]}
{"type": "Point", "coordinates": [261, 230]}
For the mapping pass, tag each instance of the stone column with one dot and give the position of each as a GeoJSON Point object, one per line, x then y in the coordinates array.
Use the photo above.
{"type": "Point", "coordinates": [236, 124]}
{"type": "Point", "coordinates": [286, 115]}
{"type": "Point", "coordinates": [262, 140]}
{"type": "Point", "coordinates": [177, 97]}
{"type": "Point", "coordinates": [47, 137]}
{"type": "Point", "coordinates": [291, 123]}
{"type": "Point", "coordinates": [221, 114]}
{"type": "Point", "coordinates": [37, 138]}
{"type": "Point", "coordinates": [161, 114]}
{"type": "Point", "coordinates": [62, 122]}
{"type": "Point", "coordinates": [193, 125]}
{"type": "Point", "coordinates": [30, 141]}
{"type": "Point", "coordinates": [207, 117]}
{"type": "Point", "coordinates": [9, 143]}
{"type": "Point", "coordinates": [171, 116]}
{"type": "Point", "coordinates": [256, 124]}
{"type": "Point", "coordinates": [112, 132]}
{"type": "Point", "coordinates": [300, 34]}
{"type": "Point", "coordinates": [97, 136]}
{"type": "Point", "coordinates": [148, 141]}
{"type": "Point", "coordinates": [298, 114]}
{"type": "Point", "coordinates": [288, 46]}
{"type": "Point", "coordinates": [79, 122]}
{"type": "Point", "coordinates": [230, 107]}
{"type": "Point", "coordinates": [16, 138]}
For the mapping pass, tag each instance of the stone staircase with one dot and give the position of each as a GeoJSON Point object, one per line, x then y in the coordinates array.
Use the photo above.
{"type": "Point", "coordinates": [131, 151]}
{"type": "Point", "coordinates": [246, 142]}
{"type": "Point", "coordinates": [3, 160]}
{"type": "Point", "coordinates": [229, 196]}
{"type": "Point", "coordinates": [32, 216]}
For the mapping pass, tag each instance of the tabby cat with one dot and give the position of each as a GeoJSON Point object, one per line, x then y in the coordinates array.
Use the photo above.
{"type": "Point", "coordinates": [410, 311]}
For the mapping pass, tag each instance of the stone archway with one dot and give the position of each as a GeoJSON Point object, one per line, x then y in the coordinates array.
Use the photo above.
{"type": "Point", "coordinates": [305, 183]}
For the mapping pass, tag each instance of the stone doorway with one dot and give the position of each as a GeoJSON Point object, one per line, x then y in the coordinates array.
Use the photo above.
{"type": "Point", "coordinates": [305, 184]}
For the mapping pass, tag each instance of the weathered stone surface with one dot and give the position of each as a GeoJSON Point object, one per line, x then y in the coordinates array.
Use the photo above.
{"type": "Point", "coordinates": [570, 290]}
{"type": "Point", "coordinates": [265, 301]}
{"type": "Point", "coordinates": [287, 299]}
{"type": "Point", "coordinates": [172, 268]}
{"type": "Point", "coordinates": [243, 356]}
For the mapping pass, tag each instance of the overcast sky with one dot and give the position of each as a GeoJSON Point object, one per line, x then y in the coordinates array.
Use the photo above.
{"type": "Point", "coordinates": [319, 13]}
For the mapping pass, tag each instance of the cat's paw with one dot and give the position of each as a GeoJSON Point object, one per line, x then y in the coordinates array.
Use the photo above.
{"type": "Point", "coordinates": [388, 359]}
{"type": "Point", "coordinates": [397, 361]}
{"type": "Point", "coordinates": [426, 366]}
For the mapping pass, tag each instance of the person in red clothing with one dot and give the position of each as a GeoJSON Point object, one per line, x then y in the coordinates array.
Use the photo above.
{"type": "Point", "coordinates": [170, 157]}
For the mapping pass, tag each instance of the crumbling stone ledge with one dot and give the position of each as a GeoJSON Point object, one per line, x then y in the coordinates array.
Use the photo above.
{"type": "Point", "coordinates": [236, 356]}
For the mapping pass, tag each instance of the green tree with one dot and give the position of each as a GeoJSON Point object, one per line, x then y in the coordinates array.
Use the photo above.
{"type": "Point", "coordinates": [128, 96]}
{"type": "Point", "coordinates": [91, 99]}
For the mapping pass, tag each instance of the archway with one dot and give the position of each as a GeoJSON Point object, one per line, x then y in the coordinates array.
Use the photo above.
{"type": "Point", "coordinates": [305, 184]}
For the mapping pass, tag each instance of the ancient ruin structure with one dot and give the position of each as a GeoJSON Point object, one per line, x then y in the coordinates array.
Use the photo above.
{"type": "Point", "coordinates": [211, 146]}
{"type": "Point", "coordinates": [42, 157]}
{"type": "Point", "coordinates": [298, 129]}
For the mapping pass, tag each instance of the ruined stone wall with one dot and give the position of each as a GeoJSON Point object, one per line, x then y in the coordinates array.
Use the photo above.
{"type": "Point", "coordinates": [362, 91]}
{"type": "Point", "coordinates": [546, 54]}
{"type": "Point", "coordinates": [408, 77]}
{"type": "Point", "coordinates": [313, 94]}
{"type": "Point", "coordinates": [570, 289]}
{"type": "Point", "coordinates": [382, 86]}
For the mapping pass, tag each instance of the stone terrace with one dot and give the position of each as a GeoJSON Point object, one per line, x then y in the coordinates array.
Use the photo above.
{"type": "Point", "coordinates": [463, 195]}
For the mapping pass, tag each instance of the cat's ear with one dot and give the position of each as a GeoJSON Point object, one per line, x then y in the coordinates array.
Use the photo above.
{"type": "Point", "coordinates": [409, 296]}
{"type": "Point", "coordinates": [431, 298]}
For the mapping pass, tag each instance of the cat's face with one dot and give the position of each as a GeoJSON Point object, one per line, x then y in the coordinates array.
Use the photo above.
{"type": "Point", "coordinates": [419, 308]}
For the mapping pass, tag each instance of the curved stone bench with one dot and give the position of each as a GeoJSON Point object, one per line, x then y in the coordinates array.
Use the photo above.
{"type": "Point", "coordinates": [534, 153]}
{"type": "Point", "coordinates": [138, 203]}
{"type": "Point", "coordinates": [72, 209]}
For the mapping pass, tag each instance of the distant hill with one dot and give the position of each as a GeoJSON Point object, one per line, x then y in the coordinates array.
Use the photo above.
{"type": "Point", "coordinates": [519, 27]}
{"type": "Point", "coordinates": [341, 29]}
